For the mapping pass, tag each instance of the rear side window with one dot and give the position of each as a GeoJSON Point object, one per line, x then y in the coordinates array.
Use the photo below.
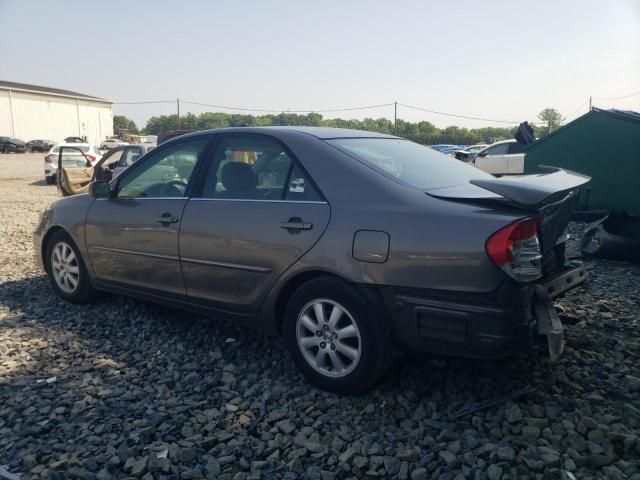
{"type": "Point", "coordinates": [516, 147]}
{"type": "Point", "coordinates": [300, 188]}
{"type": "Point", "coordinates": [409, 162]}
{"type": "Point", "coordinates": [501, 149]}
{"type": "Point", "coordinates": [256, 168]}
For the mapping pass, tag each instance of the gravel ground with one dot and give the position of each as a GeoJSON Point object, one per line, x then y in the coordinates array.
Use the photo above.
{"type": "Point", "coordinates": [121, 388]}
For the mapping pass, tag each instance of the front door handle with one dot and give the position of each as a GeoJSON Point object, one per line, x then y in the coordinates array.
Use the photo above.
{"type": "Point", "coordinates": [167, 219]}
{"type": "Point", "coordinates": [295, 224]}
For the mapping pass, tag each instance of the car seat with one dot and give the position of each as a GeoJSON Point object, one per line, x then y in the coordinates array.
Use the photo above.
{"type": "Point", "coordinates": [239, 181]}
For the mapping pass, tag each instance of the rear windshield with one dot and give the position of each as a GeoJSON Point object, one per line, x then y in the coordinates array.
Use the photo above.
{"type": "Point", "coordinates": [411, 163]}
{"type": "Point", "coordinates": [71, 150]}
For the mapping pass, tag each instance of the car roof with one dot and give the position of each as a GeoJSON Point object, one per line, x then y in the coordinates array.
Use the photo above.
{"type": "Point", "coordinates": [323, 133]}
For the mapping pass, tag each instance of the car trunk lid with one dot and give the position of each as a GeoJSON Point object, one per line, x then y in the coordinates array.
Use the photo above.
{"type": "Point", "coordinates": [552, 196]}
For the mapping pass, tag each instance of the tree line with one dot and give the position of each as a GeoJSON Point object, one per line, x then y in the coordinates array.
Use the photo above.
{"type": "Point", "coordinates": [422, 132]}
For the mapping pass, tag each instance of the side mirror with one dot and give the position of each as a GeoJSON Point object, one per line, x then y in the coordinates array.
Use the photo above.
{"type": "Point", "coordinates": [483, 153]}
{"type": "Point", "coordinates": [100, 189]}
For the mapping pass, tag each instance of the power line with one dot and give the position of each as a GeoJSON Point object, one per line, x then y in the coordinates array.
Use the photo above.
{"type": "Point", "coordinates": [578, 109]}
{"type": "Point", "coordinates": [144, 103]}
{"type": "Point", "coordinates": [262, 110]}
{"type": "Point", "coordinates": [457, 116]}
{"type": "Point", "coordinates": [619, 98]}
{"type": "Point", "coordinates": [325, 110]}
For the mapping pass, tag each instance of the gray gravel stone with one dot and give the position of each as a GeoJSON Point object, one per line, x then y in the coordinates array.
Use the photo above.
{"type": "Point", "coordinates": [136, 380]}
{"type": "Point", "coordinates": [494, 472]}
{"type": "Point", "coordinates": [419, 474]}
{"type": "Point", "coordinates": [506, 453]}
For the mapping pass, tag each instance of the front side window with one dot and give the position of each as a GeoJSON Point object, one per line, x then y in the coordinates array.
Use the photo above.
{"type": "Point", "coordinates": [516, 147]}
{"type": "Point", "coordinates": [409, 162]}
{"type": "Point", "coordinates": [249, 168]}
{"type": "Point", "coordinates": [164, 174]}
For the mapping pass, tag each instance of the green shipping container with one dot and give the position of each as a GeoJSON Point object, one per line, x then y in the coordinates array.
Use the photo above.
{"type": "Point", "coordinates": [604, 144]}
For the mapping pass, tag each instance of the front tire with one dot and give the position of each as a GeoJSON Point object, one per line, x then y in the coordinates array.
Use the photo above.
{"type": "Point", "coordinates": [66, 269]}
{"type": "Point", "coordinates": [336, 336]}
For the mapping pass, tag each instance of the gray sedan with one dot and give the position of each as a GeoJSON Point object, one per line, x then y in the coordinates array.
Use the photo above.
{"type": "Point", "coordinates": [352, 245]}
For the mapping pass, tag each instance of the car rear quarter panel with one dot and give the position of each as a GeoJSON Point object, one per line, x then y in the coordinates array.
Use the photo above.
{"type": "Point", "coordinates": [434, 244]}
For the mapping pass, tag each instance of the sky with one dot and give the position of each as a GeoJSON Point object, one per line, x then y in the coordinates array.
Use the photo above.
{"type": "Point", "coordinates": [495, 59]}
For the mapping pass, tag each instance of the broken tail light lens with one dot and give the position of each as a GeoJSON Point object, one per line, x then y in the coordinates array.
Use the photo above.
{"type": "Point", "coordinates": [516, 250]}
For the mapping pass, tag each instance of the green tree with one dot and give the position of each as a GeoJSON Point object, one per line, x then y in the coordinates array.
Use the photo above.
{"type": "Point", "coordinates": [552, 118]}
{"type": "Point", "coordinates": [422, 132]}
{"type": "Point", "coordinates": [120, 122]}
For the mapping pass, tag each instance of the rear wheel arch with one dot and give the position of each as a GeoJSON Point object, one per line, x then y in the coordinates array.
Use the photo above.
{"type": "Point", "coordinates": [299, 279]}
{"type": "Point", "coordinates": [290, 286]}
{"type": "Point", "coordinates": [322, 361]}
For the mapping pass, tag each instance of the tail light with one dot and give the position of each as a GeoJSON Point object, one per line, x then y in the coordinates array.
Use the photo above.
{"type": "Point", "coordinates": [91, 158]}
{"type": "Point", "coordinates": [516, 250]}
{"type": "Point", "coordinates": [49, 158]}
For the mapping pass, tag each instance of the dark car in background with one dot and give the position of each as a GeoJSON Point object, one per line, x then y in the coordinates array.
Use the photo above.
{"type": "Point", "coordinates": [352, 245]}
{"type": "Point", "coordinates": [40, 145]}
{"type": "Point", "coordinates": [12, 145]}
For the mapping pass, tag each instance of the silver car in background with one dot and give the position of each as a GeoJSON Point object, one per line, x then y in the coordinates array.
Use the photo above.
{"type": "Point", "coordinates": [352, 245]}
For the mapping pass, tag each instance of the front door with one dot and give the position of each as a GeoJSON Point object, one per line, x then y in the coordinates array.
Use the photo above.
{"type": "Point", "coordinates": [132, 238]}
{"type": "Point", "coordinates": [258, 213]}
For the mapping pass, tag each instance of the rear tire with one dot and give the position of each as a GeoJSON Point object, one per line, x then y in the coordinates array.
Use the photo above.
{"type": "Point", "coordinates": [51, 180]}
{"type": "Point", "coordinates": [66, 269]}
{"type": "Point", "coordinates": [336, 336]}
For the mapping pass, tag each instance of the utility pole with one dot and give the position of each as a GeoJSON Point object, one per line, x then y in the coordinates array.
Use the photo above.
{"type": "Point", "coordinates": [590, 101]}
{"type": "Point", "coordinates": [395, 117]}
{"type": "Point", "coordinates": [178, 104]}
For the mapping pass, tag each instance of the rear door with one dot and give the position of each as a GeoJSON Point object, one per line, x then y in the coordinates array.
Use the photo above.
{"type": "Point", "coordinates": [515, 159]}
{"type": "Point", "coordinates": [258, 213]}
{"type": "Point", "coordinates": [495, 161]}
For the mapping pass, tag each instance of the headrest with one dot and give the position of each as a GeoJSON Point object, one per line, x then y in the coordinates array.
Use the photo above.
{"type": "Point", "coordinates": [238, 176]}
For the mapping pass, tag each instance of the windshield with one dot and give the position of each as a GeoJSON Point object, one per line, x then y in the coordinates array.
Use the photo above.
{"type": "Point", "coordinates": [414, 164]}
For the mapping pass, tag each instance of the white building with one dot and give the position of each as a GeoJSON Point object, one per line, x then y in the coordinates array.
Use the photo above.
{"type": "Point", "coordinates": [30, 112]}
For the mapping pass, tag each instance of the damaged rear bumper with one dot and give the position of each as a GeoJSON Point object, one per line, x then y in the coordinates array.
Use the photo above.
{"type": "Point", "coordinates": [513, 318]}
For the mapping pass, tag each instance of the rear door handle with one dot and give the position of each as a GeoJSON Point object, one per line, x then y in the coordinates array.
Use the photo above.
{"type": "Point", "coordinates": [167, 219]}
{"type": "Point", "coordinates": [296, 224]}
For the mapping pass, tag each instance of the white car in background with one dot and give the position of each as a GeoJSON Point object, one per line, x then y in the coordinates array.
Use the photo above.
{"type": "Point", "coordinates": [70, 158]}
{"type": "Point", "coordinates": [110, 143]}
{"type": "Point", "coordinates": [501, 158]}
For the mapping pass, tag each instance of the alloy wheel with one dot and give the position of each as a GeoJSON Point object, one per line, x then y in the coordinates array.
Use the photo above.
{"type": "Point", "coordinates": [65, 267]}
{"type": "Point", "coordinates": [328, 338]}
